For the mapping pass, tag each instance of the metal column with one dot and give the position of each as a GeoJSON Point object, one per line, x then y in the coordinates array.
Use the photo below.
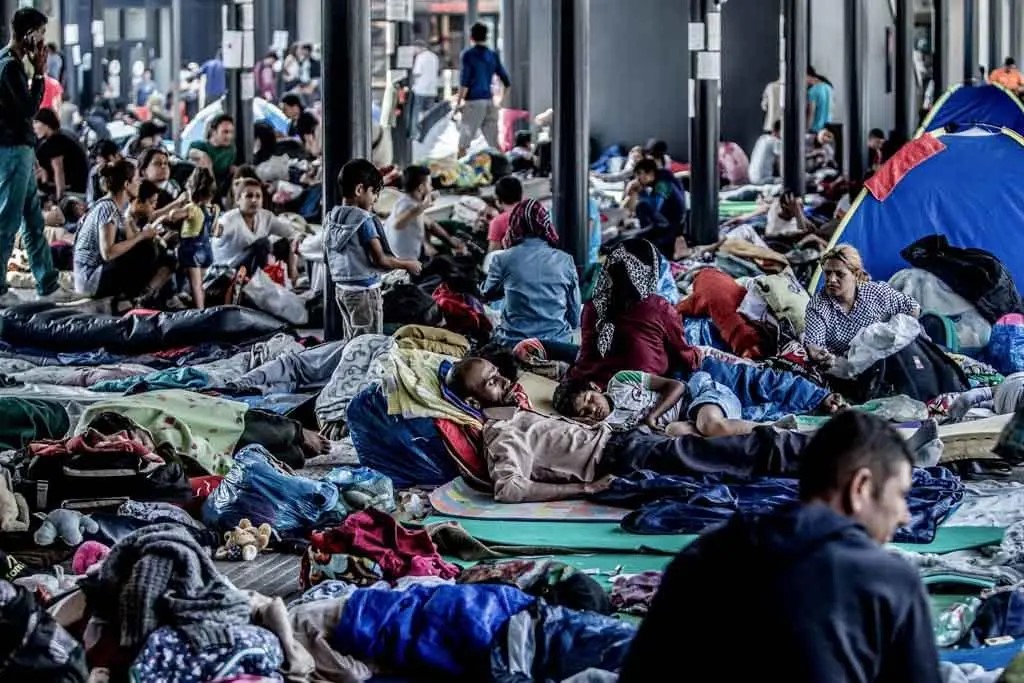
{"type": "Point", "coordinates": [1015, 18]}
{"type": "Point", "coordinates": [401, 134]}
{"type": "Point", "coordinates": [241, 81]}
{"type": "Point", "coordinates": [970, 40]}
{"type": "Point", "coordinates": [570, 177]}
{"type": "Point", "coordinates": [941, 68]}
{"type": "Point", "coordinates": [515, 51]}
{"type": "Point", "coordinates": [346, 112]}
{"type": "Point", "coordinates": [176, 64]}
{"type": "Point", "coordinates": [855, 143]}
{"type": "Point", "coordinates": [472, 16]}
{"type": "Point", "coordinates": [706, 70]}
{"type": "Point", "coordinates": [995, 33]}
{"type": "Point", "coordinates": [794, 120]}
{"type": "Point", "coordinates": [906, 102]}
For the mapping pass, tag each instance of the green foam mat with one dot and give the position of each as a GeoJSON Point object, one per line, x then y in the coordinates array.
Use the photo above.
{"type": "Point", "coordinates": [609, 537]}
{"type": "Point", "coordinates": [731, 209]}
{"type": "Point", "coordinates": [601, 566]}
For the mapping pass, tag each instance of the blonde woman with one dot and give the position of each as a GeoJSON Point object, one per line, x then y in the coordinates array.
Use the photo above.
{"type": "Point", "coordinates": [849, 302]}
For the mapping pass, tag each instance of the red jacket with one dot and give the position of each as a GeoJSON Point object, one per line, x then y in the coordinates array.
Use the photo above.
{"type": "Point", "coordinates": [717, 296]}
{"type": "Point", "coordinates": [648, 337]}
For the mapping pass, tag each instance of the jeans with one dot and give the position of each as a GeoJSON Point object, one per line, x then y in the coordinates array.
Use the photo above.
{"type": "Point", "coordinates": [20, 210]}
{"type": "Point", "coordinates": [764, 452]}
{"type": "Point", "coordinates": [417, 108]}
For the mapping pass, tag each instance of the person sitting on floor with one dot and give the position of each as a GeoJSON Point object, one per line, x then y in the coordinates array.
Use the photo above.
{"type": "Point", "coordinates": [104, 152]}
{"type": "Point", "coordinates": [829, 602]}
{"type": "Point", "coordinates": [407, 228]}
{"type": "Point", "coordinates": [659, 200]}
{"type": "Point", "coordinates": [635, 399]}
{"type": "Point", "coordinates": [538, 283]}
{"type": "Point", "coordinates": [521, 156]}
{"type": "Point", "coordinates": [248, 235]}
{"type": "Point", "coordinates": [111, 256]}
{"type": "Point", "coordinates": [766, 156]}
{"type": "Point", "coordinates": [509, 192]}
{"type": "Point", "coordinates": [849, 302]}
{"type": "Point", "coordinates": [63, 160]}
{"type": "Point", "coordinates": [627, 325]}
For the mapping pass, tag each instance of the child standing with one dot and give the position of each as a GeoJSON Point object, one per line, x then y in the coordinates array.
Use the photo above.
{"type": "Point", "coordinates": [357, 252]}
{"type": "Point", "coordinates": [195, 254]}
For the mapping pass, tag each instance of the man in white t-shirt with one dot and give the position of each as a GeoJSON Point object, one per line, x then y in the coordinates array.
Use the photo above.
{"type": "Point", "coordinates": [765, 156]}
{"type": "Point", "coordinates": [249, 234]}
{"type": "Point", "coordinates": [425, 78]}
{"type": "Point", "coordinates": [406, 227]}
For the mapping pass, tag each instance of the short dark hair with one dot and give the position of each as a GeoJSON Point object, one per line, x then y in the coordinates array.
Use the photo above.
{"type": "Point", "coordinates": [26, 20]}
{"type": "Point", "coordinates": [523, 138]}
{"type": "Point", "coordinates": [509, 190]}
{"type": "Point", "coordinates": [106, 149]}
{"type": "Point", "coordinates": [292, 100]}
{"type": "Point", "coordinates": [850, 441]}
{"type": "Point", "coordinates": [359, 172]}
{"type": "Point", "coordinates": [147, 190]}
{"type": "Point", "coordinates": [645, 166]}
{"type": "Point", "coordinates": [48, 118]}
{"type": "Point", "coordinates": [216, 122]}
{"type": "Point", "coordinates": [656, 148]}
{"type": "Point", "coordinates": [565, 395]}
{"type": "Point", "coordinates": [777, 126]}
{"type": "Point", "coordinates": [456, 377]}
{"type": "Point", "coordinates": [202, 186]}
{"type": "Point", "coordinates": [68, 205]}
{"type": "Point", "coordinates": [478, 33]}
{"type": "Point", "coordinates": [413, 177]}
{"type": "Point", "coordinates": [1009, 61]}
{"type": "Point", "coordinates": [150, 153]}
{"type": "Point", "coordinates": [242, 184]}
{"type": "Point", "coordinates": [876, 133]}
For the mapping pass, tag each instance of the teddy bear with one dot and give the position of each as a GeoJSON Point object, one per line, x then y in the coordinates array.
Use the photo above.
{"type": "Point", "coordinates": [244, 542]}
{"type": "Point", "coordinates": [67, 525]}
{"type": "Point", "coordinates": [14, 514]}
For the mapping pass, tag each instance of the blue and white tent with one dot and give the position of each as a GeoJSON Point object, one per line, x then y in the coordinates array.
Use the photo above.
{"type": "Point", "coordinates": [261, 111]}
{"type": "Point", "coordinates": [965, 185]}
{"type": "Point", "coordinates": [966, 105]}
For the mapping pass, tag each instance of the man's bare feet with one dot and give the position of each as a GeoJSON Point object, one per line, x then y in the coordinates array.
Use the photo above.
{"type": "Point", "coordinates": [314, 444]}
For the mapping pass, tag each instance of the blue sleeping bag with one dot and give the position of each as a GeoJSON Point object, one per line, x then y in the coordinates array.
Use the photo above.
{"type": "Point", "coordinates": [409, 451]}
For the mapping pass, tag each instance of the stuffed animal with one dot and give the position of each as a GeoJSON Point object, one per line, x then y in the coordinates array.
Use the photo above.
{"type": "Point", "coordinates": [14, 514]}
{"type": "Point", "coordinates": [245, 542]}
{"type": "Point", "coordinates": [88, 555]}
{"type": "Point", "coordinates": [67, 525]}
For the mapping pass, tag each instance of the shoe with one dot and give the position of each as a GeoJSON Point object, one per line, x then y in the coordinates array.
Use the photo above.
{"type": "Point", "coordinates": [9, 300]}
{"type": "Point", "coordinates": [59, 296]}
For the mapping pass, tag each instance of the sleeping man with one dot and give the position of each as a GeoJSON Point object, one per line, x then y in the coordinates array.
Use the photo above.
{"type": "Point", "coordinates": [534, 457]}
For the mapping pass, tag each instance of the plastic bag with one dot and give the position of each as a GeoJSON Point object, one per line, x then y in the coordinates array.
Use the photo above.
{"type": "Point", "coordinates": [271, 297]}
{"type": "Point", "coordinates": [1006, 345]}
{"type": "Point", "coordinates": [362, 488]}
{"type": "Point", "coordinates": [261, 489]}
{"type": "Point", "coordinates": [876, 342]}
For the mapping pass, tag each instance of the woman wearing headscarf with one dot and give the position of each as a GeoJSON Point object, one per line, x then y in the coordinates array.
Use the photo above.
{"type": "Point", "coordinates": [849, 302]}
{"type": "Point", "coordinates": [538, 283]}
{"type": "Point", "coordinates": [627, 325]}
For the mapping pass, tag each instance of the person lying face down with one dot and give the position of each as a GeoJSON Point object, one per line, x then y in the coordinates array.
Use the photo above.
{"type": "Point", "coordinates": [830, 604]}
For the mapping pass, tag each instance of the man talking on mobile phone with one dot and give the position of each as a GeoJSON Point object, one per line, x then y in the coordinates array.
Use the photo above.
{"type": "Point", "coordinates": [22, 72]}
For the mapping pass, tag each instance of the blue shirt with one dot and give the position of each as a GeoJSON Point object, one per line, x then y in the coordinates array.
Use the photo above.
{"type": "Point", "coordinates": [479, 66]}
{"type": "Point", "coordinates": [216, 79]}
{"type": "Point", "coordinates": [541, 292]}
{"type": "Point", "coordinates": [821, 95]}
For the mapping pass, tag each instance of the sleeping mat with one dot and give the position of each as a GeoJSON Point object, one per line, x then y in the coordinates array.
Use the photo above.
{"type": "Point", "coordinates": [61, 329]}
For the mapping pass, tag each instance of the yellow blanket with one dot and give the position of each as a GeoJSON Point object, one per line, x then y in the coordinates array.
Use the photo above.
{"type": "Point", "coordinates": [414, 389]}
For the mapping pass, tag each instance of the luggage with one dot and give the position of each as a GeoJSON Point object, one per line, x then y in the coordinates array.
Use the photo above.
{"type": "Point", "coordinates": [941, 329]}
{"type": "Point", "coordinates": [974, 274]}
{"type": "Point", "coordinates": [921, 370]}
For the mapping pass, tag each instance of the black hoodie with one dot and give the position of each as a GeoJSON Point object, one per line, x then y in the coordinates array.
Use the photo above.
{"type": "Point", "coordinates": [802, 596]}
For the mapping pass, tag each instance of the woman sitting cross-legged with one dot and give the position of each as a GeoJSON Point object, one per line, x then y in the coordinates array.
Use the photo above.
{"type": "Point", "coordinates": [113, 256]}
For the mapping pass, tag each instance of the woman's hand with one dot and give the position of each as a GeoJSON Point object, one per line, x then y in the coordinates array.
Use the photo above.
{"type": "Point", "coordinates": [148, 233]}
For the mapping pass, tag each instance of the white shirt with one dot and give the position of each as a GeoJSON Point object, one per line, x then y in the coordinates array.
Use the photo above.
{"type": "Point", "coordinates": [425, 74]}
{"type": "Point", "coordinates": [762, 159]}
{"type": "Point", "coordinates": [236, 235]}
{"type": "Point", "coordinates": [777, 226]}
{"type": "Point", "coordinates": [407, 242]}
{"type": "Point", "coordinates": [771, 104]}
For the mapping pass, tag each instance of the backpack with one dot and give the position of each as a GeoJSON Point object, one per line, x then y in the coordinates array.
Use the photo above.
{"type": "Point", "coordinates": [941, 330]}
{"type": "Point", "coordinates": [921, 371]}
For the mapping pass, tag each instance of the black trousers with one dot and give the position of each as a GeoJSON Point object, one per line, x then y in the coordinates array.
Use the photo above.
{"type": "Point", "coordinates": [280, 435]}
{"type": "Point", "coordinates": [764, 452]}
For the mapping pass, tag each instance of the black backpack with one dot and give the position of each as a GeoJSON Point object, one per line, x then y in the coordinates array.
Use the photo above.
{"type": "Point", "coordinates": [921, 371]}
{"type": "Point", "coordinates": [974, 274]}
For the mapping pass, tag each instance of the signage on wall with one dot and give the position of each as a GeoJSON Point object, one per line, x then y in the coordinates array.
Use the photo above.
{"type": "Point", "coordinates": [398, 10]}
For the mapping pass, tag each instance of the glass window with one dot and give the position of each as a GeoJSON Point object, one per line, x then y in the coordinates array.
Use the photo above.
{"type": "Point", "coordinates": [111, 25]}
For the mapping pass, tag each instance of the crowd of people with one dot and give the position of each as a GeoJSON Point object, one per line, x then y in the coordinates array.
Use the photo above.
{"type": "Point", "coordinates": [662, 363]}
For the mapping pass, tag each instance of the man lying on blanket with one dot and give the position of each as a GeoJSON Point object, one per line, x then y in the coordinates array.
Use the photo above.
{"type": "Point", "coordinates": [533, 457]}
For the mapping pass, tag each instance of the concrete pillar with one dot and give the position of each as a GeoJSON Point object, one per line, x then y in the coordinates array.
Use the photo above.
{"type": "Point", "coordinates": [515, 51]}
{"type": "Point", "coordinates": [310, 19]}
{"type": "Point", "coordinates": [1016, 16]}
{"type": "Point", "coordinates": [346, 127]}
{"type": "Point", "coordinates": [794, 122]}
{"type": "Point", "coordinates": [570, 177]}
{"type": "Point", "coordinates": [996, 51]}
{"type": "Point", "coordinates": [906, 102]}
{"type": "Point", "coordinates": [706, 70]}
{"type": "Point", "coordinates": [472, 16]}
{"type": "Point", "coordinates": [241, 81]}
{"type": "Point", "coordinates": [940, 36]}
{"type": "Point", "coordinates": [855, 143]}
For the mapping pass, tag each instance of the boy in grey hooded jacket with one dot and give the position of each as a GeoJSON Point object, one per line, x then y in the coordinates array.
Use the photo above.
{"type": "Point", "coordinates": [356, 250]}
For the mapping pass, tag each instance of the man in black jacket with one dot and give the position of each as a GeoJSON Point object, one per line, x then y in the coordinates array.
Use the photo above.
{"type": "Point", "coordinates": [22, 68]}
{"type": "Point", "coordinates": [805, 595]}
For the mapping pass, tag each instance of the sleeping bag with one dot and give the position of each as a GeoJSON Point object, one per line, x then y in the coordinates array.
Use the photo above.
{"type": "Point", "coordinates": [45, 326]}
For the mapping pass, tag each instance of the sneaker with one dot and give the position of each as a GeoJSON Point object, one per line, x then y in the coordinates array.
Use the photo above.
{"type": "Point", "coordinates": [9, 300]}
{"type": "Point", "coordinates": [58, 296]}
